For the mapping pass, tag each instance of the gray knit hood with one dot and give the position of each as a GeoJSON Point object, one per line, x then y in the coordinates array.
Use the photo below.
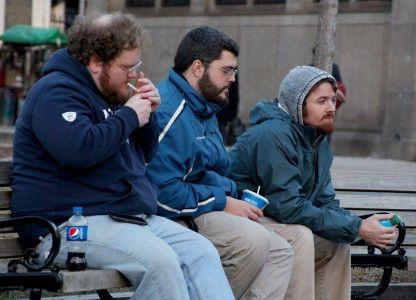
{"type": "Point", "coordinates": [296, 85]}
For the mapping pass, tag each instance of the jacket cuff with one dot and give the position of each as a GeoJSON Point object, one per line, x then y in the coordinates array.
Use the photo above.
{"type": "Point", "coordinates": [233, 191]}
{"type": "Point", "coordinates": [130, 118]}
{"type": "Point", "coordinates": [356, 228]}
{"type": "Point", "coordinates": [220, 199]}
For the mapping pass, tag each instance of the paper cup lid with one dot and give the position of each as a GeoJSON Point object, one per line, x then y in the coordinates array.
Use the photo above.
{"type": "Point", "coordinates": [257, 195]}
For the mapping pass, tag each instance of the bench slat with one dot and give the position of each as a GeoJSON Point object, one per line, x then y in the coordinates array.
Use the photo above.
{"type": "Point", "coordinates": [4, 217]}
{"type": "Point", "coordinates": [404, 201]}
{"type": "Point", "coordinates": [410, 251]}
{"type": "Point", "coordinates": [10, 247]}
{"type": "Point", "coordinates": [373, 181]}
{"type": "Point", "coordinates": [408, 217]}
{"type": "Point", "coordinates": [5, 199]}
{"type": "Point", "coordinates": [5, 167]}
{"type": "Point", "coordinates": [377, 201]}
{"type": "Point", "coordinates": [410, 239]}
{"type": "Point", "coordinates": [409, 244]}
{"type": "Point", "coordinates": [92, 280]}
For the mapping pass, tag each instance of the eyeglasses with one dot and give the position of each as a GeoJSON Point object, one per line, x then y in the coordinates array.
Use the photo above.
{"type": "Point", "coordinates": [229, 71]}
{"type": "Point", "coordinates": [133, 69]}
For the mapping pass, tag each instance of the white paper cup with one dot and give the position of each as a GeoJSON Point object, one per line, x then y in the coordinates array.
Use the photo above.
{"type": "Point", "coordinates": [255, 199]}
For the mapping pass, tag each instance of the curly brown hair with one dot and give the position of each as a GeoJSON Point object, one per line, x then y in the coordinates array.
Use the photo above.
{"type": "Point", "coordinates": [105, 37]}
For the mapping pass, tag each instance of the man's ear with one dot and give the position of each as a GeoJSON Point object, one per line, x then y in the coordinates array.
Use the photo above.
{"type": "Point", "coordinates": [95, 65]}
{"type": "Point", "coordinates": [197, 68]}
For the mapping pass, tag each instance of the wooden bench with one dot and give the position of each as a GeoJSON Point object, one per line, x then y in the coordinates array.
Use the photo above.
{"type": "Point", "coordinates": [360, 189]}
{"type": "Point", "coordinates": [366, 186]}
{"type": "Point", "coordinates": [10, 248]}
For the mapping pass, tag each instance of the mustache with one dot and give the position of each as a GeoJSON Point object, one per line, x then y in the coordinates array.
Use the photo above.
{"type": "Point", "coordinates": [330, 115]}
{"type": "Point", "coordinates": [223, 89]}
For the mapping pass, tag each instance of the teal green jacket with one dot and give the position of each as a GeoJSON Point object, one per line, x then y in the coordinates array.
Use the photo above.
{"type": "Point", "coordinates": [291, 163]}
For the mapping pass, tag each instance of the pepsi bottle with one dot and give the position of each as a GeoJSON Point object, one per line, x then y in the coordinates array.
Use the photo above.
{"type": "Point", "coordinates": [76, 236]}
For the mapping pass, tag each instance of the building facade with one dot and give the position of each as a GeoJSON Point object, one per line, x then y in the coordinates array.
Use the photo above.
{"type": "Point", "coordinates": [375, 49]}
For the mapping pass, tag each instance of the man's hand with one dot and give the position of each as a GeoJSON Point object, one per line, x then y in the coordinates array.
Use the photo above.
{"type": "Point", "coordinates": [147, 90]}
{"type": "Point", "coordinates": [376, 234]}
{"type": "Point", "coordinates": [141, 106]}
{"type": "Point", "coordinates": [242, 209]}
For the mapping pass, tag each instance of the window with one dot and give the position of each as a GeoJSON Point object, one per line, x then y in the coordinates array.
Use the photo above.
{"type": "Point", "coordinates": [176, 2]}
{"type": "Point", "coordinates": [229, 2]}
{"type": "Point", "coordinates": [141, 3]}
{"type": "Point", "coordinates": [359, 0]}
{"type": "Point", "coordinates": [269, 1]}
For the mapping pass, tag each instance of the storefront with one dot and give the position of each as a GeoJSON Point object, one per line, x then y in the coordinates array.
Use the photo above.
{"type": "Point", "coordinates": [22, 56]}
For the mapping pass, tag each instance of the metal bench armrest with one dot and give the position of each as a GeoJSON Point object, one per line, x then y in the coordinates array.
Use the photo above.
{"type": "Point", "coordinates": [386, 260]}
{"type": "Point", "coordinates": [30, 257]}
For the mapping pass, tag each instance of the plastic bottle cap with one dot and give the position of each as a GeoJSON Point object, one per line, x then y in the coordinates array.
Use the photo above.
{"type": "Point", "coordinates": [395, 220]}
{"type": "Point", "coordinates": [77, 210]}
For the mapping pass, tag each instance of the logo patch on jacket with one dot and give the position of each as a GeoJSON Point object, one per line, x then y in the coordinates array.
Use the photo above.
{"type": "Point", "coordinates": [69, 116]}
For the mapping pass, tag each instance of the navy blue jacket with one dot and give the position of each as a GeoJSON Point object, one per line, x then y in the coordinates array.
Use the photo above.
{"type": "Point", "coordinates": [191, 162]}
{"type": "Point", "coordinates": [71, 148]}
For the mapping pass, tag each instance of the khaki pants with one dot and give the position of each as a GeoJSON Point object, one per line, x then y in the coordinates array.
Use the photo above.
{"type": "Point", "coordinates": [322, 269]}
{"type": "Point", "coordinates": [257, 262]}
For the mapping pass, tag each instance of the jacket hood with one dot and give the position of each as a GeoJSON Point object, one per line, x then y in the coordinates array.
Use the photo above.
{"type": "Point", "coordinates": [194, 99]}
{"type": "Point", "coordinates": [265, 110]}
{"type": "Point", "coordinates": [63, 61]}
{"type": "Point", "coordinates": [296, 85]}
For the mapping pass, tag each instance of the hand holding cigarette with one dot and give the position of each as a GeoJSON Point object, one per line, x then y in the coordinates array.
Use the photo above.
{"type": "Point", "coordinates": [147, 90]}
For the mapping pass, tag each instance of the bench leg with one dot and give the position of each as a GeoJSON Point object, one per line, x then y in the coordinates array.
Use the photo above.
{"type": "Point", "coordinates": [381, 287]}
{"type": "Point", "coordinates": [35, 294]}
{"type": "Point", "coordinates": [104, 295]}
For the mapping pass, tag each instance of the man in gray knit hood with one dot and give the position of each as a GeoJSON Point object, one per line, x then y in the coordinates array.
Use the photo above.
{"type": "Point", "coordinates": [296, 86]}
{"type": "Point", "coordinates": [286, 153]}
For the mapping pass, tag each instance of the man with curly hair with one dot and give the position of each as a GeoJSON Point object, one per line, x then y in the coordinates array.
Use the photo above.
{"type": "Point", "coordinates": [84, 135]}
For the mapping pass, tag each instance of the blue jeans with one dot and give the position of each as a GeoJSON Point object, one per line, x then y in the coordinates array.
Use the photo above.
{"type": "Point", "coordinates": [162, 260]}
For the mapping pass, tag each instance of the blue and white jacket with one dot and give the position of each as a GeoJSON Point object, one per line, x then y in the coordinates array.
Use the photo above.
{"type": "Point", "coordinates": [72, 148]}
{"type": "Point", "coordinates": [191, 162]}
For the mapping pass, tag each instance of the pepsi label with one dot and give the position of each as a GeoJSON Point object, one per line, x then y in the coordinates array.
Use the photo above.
{"type": "Point", "coordinates": [76, 233]}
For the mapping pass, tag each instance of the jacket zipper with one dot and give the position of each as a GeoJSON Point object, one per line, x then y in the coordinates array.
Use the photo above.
{"type": "Point", "coordinates": [315, 161]}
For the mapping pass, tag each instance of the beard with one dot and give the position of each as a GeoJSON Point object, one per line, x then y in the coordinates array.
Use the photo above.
{"type": "Point", "coordinates": [211, 92]}
{"type": "Point", "coordinates": [111, 94]}
{"type": "Point", "coordinates": [326, 122]}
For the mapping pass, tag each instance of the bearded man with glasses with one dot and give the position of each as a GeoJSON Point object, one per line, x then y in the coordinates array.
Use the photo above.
{"type": "Point", "coordinates": [191, 163]}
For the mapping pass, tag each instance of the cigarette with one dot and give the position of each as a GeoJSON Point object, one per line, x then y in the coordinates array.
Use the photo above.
{"type": "Point", "coordinates": [132, 87]}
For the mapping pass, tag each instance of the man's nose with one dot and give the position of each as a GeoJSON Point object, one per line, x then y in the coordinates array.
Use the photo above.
{"type": "Point", "coordinates": [231, 78]}
{"type": "Point", "coordinates": [132, 75]}
{"type": "Point", "coordinates": [332, 106]}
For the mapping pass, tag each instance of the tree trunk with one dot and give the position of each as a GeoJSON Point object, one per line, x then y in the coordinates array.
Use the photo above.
{"type": "Point", "coordinates": [325, 37]}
